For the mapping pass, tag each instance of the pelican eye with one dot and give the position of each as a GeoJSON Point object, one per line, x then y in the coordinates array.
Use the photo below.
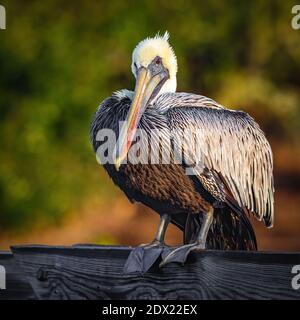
{"type": "Point", "coordinates": [156, 66]}
{"type": "Point", "coordinates": [158, 61]}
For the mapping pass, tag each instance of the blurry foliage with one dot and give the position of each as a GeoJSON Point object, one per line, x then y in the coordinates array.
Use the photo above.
{"type": "Point", "coordinates": [60, 59]}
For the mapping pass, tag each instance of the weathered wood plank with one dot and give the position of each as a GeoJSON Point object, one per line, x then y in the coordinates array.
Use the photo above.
{"type": "Point", "coordinates": [16, 284]}
{"type": "Point", "coordinates": [96, 272]}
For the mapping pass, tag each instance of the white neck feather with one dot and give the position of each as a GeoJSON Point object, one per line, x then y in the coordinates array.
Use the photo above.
{"type": "Point", "coordinates": [169, 86]}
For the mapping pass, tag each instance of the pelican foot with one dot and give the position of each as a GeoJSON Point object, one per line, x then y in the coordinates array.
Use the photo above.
{"type": "Point", "coordinates": [153, 244]}
{"type": "Point", "coordinates": [180, 254]}
{"type": "Point", "coordinates": [142, 258]}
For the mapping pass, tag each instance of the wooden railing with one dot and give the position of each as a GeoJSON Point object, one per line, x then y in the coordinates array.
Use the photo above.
{"type": "Point", "coordinates": [96, 272]}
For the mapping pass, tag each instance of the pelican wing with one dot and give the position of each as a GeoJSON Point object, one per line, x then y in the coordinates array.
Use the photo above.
{"type": "Point", "coordinates": [232, 158]}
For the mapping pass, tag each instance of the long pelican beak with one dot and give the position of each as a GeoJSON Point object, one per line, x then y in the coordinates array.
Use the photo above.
{"type": "Point", "coordinates": [146, 88]}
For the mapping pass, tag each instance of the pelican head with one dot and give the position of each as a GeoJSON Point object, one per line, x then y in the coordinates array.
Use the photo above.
{"type": "Point", "coordinates": [158, 58]}
{"type": "Point", "coordinates": [154, 66]}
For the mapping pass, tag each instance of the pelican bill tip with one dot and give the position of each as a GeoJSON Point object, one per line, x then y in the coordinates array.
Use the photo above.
{"type": "Point", "coordinates": [118, 164]}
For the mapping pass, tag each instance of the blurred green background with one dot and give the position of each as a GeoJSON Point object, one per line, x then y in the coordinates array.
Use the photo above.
{"type": "Point", "coordinates": [60, 59]}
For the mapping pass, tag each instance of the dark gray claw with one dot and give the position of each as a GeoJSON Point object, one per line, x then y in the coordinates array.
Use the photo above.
{"type": "Point", "coordinates": [180, 254]}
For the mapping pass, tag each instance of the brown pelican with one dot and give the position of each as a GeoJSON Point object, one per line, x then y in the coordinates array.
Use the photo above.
{"type": "Point", "coordinates": [233, 175]}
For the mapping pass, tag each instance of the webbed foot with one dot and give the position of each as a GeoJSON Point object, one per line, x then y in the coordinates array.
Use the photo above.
{"type": "Point", "coordinates": [180, 254]}
{"type": "Point", "coordinates": [142, 258]}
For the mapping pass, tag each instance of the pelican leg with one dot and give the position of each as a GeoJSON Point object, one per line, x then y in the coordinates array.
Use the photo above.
{"type": "Point", "coordinates": [142, 258]}
{"type": "Point", "coordinates": [159, 239]}
{"type": "Point", "coordinates": [180, 254]}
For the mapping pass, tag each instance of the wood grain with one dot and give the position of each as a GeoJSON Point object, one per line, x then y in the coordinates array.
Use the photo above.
{"type": "Point", "coordinates": [96, 272]}
{"type": "Point", "coordinates": [17, 285]}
